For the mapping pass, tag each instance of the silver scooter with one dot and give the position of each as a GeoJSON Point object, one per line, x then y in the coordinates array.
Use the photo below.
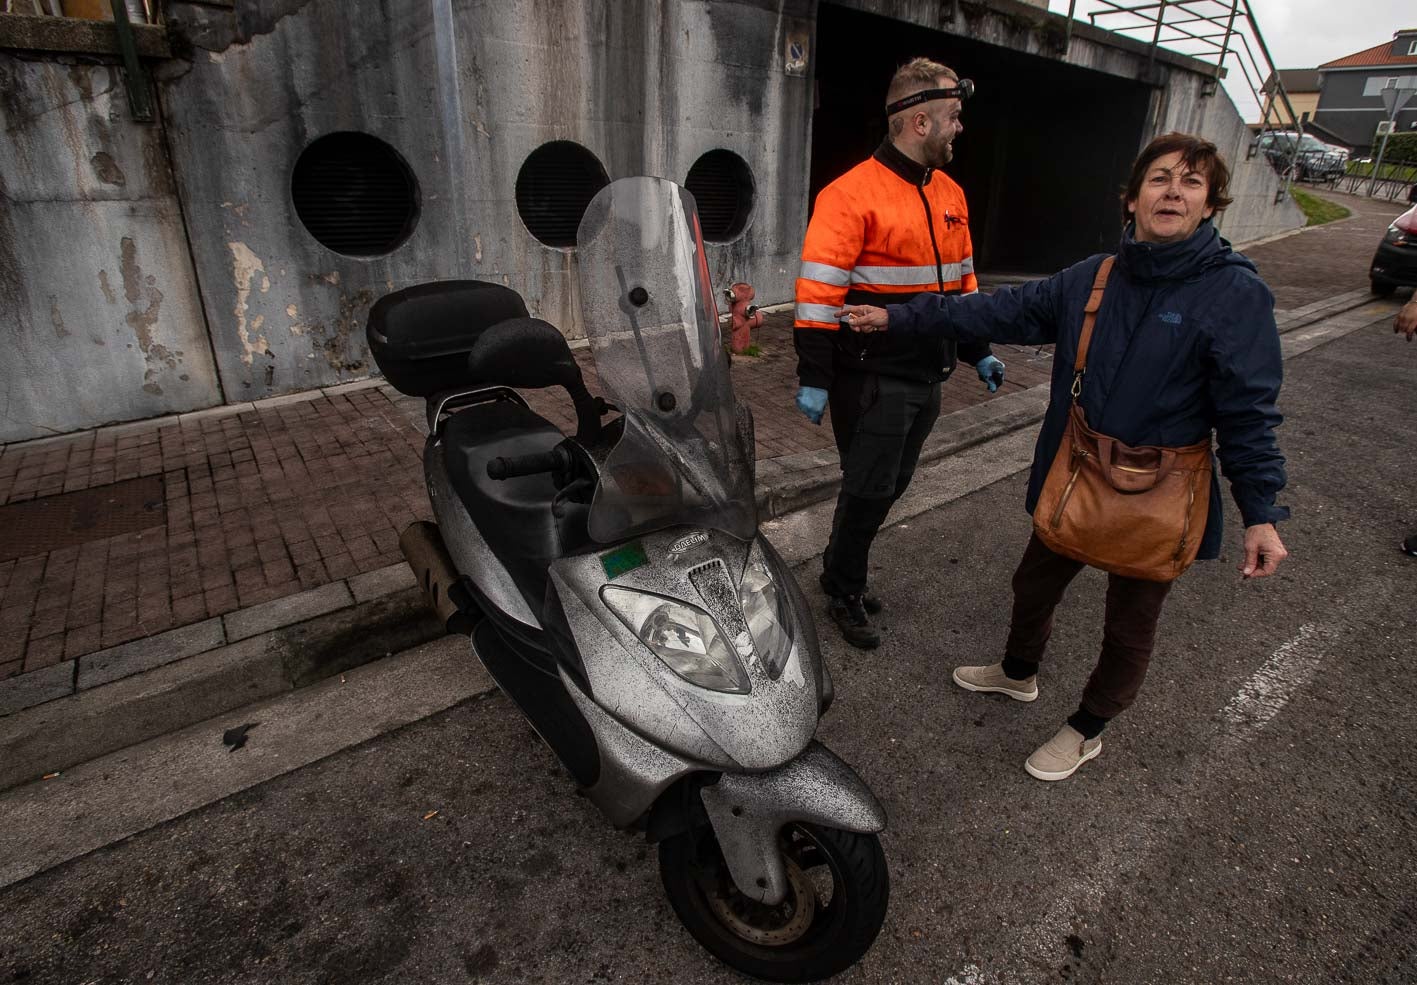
{"type": "Point", "coordinates": [616, 586]}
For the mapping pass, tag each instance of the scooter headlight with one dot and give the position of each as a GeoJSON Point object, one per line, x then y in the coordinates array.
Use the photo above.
{"type": "Point", "coordinates": [684, 637]}
{"type": "Point", "coordinates": [766, 612]}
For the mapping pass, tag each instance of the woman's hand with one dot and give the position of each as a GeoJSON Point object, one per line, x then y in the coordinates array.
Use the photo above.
{"type": "Point", "coordinates": [1406, 321]}
{"type": "Point", "coordinates": [864, 318]}
{"type": "Point", "coordinates": [1263, 551]}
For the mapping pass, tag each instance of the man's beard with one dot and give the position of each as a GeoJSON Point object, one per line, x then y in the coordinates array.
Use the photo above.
{"type": "Point", "coordinates": [938, 153]}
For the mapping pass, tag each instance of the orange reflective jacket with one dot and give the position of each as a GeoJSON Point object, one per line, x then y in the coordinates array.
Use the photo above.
{"type": "Point", "coordinates": [880, 234]}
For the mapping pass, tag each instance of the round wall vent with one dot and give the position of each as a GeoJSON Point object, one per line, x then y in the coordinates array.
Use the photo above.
{"type": "Point", "coordinates": [355, 194]}
{"type": "Point", "coordinates": [556, 183]}
{"type": "Point", "coordinates": [722, 186]}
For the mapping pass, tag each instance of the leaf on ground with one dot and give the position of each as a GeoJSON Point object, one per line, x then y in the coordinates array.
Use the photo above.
{"type": "Point", "coordinates": [235, 738]}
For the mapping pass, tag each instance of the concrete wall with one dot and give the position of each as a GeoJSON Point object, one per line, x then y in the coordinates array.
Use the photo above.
{"type": "Point", "coordinates": [101, 289]}
{"type": "Point", "coordinates": [646, 85]}
{"type": "Point", "coordinates": [1253, 184]}
{"type": "Point", "coordinates": [98, 304]}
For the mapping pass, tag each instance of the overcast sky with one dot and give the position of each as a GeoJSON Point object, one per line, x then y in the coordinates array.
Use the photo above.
{"type": "Point", "coordinates": [1299, 33]}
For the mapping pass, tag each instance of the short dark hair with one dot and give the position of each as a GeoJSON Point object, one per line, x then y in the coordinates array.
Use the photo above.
{"type": "Point", "coordinates": [915, 76]}
{"type": "Point", "coordinates": [1197, 153]}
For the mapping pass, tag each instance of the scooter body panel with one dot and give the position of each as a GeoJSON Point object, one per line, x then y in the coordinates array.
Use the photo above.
{"type": "Point", "coordinates": [759, 730]}
{"type": "Point", "coordinates": [467, 547]}
{"type": "Point", "coordinates": [633, 771]}
{"type": "Point", "coordinates": [748, 810]}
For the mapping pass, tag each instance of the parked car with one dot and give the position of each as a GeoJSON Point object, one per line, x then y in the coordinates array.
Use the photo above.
{"type": "Point", "coordinates": [1395, 262]}
{"type": "Point", "coordinates": [1315, 160]}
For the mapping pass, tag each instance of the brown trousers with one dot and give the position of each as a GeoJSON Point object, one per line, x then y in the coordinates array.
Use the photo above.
{"type": "Point", "coordinates": [1128, 629]}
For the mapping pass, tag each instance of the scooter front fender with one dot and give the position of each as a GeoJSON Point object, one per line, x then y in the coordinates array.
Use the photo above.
{"type": "Point", "coordinates": [748, 810]}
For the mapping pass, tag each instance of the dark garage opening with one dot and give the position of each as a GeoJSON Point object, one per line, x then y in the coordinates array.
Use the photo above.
{"type": "Point", "coordinates": [1045, 150]}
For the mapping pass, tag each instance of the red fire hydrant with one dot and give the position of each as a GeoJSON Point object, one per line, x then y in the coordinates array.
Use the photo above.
{"type": "Point", "coordinates": [746, 315]}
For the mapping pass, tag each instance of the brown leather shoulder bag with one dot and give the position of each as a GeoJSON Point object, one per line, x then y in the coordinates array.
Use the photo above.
{"type": "Point", "coordinates": [1138, 512]}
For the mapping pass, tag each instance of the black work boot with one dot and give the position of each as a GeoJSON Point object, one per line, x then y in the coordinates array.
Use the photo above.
{"type": "Point", "coordinates": [871, 603]}
{"type": "Point", "coordinates": [849, 614]}
{"type": "Point", "coordinates": [1409, 546]}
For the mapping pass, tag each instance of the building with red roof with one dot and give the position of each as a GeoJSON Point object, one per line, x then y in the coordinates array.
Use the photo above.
{"type": "Point", "coordinates": [1350, 90]}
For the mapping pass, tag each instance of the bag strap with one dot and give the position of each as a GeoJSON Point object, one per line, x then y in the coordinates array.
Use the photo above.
{"type": "Point", "coordinates": [1094, 302]}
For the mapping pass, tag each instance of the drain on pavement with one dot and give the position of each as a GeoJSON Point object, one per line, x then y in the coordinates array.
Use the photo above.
{"type": "Point", "coordinates": [38, 526]}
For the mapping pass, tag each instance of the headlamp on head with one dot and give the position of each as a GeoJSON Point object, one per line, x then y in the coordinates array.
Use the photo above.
{"type": "Point", "coordinates": [961, 90]}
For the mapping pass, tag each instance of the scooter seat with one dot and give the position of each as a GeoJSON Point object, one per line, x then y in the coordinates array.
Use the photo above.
{"type": "Point", "coordinates": [513, 515]}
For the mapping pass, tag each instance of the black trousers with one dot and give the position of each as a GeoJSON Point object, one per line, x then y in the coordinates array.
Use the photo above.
{"type": "Point", "coordinates": [1128, 628]}
{"type": "Point", "coordinates": [880, 424]}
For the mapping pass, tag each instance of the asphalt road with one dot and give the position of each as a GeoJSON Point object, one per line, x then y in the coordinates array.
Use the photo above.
{"type": "Point", "coordinates": [1249, 820]}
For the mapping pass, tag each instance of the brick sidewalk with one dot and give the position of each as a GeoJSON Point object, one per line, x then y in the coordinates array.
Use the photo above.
{"type": "Point", "coordinates": [263, 501]}
{"type": "Point", "coordinates": [257, 503]}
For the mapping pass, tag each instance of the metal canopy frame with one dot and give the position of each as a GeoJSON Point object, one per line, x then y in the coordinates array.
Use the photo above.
{"type": "Point", "coordinates": [1215, 31]}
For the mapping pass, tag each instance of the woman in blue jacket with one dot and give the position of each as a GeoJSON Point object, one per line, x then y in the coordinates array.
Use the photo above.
{"type": "Point", "coordinates": [1184, 344]}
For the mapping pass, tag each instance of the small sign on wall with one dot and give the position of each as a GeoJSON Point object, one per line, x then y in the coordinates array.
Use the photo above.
{"type": "Point", "coordinates": [795, 47]}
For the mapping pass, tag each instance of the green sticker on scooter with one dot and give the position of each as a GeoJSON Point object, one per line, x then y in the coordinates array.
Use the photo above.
{"type": "Point", "coordinates": [623, 559]}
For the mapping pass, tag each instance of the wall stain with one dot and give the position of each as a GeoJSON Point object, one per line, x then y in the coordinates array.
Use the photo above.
{"type": "Point", "coordinates": [137, 288]}
{"type": "Point", "coordinates": [245, 266]}
{"type": "Point", "coordinates": [82, 78]}
{"type": "Point", "coordinates": [56, 318]}
{"type": "Point", "coordinates": [12, 285]}
{"type": "Point", "coordinates": [107, 288]}
{"type": "Point", "coordinates": [106, 169]}
{"type": "Point", "coordinates": [353, 309]}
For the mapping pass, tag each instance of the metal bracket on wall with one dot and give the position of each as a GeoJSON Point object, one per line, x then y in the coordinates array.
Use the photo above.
{"type": "Point", "coordinates": [139, 96]}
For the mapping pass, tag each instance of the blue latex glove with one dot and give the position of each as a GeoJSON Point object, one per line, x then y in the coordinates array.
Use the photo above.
{"type": "Point", "coordinates": [991, 371]}
{"type": "Point", "coordinates": [812, 401]}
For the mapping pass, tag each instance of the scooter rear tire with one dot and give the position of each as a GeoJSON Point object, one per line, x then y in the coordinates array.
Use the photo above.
{"type": "Point", "coordinates": [790, 946]}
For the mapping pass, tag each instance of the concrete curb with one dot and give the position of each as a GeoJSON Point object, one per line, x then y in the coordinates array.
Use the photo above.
{"type": "Point", "coordinates": [105, 666]}
{"type": "Point", "coordinates": [127, 694]}
{"type": "Point", "coordinates": [794, 481]}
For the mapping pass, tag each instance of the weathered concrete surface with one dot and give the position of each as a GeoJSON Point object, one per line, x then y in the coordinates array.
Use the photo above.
{"type": "Point", "coordinates": [172, 695]}
{"type": "Point", "coordinates": [70, 34]}
{"type": "Point", "coordinates": [647, 87]}
{"type": "Point", "coordinates": [97, 277]}
{"type": "Point", "coordinates": [97, 296]}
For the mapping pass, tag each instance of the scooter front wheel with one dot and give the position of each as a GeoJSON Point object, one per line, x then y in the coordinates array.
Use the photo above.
{"type": "Point", "coordinates": [838, 888]}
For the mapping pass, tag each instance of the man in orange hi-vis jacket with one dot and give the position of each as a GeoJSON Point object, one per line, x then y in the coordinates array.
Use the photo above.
{"type": "Point", "coordinates": [890, 228]}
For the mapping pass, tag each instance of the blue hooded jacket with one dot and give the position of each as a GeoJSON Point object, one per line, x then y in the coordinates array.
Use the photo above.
{"type": "Point", "coordinates": [1184, 343]}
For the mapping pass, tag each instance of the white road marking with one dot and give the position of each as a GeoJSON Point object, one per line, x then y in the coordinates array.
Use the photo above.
{"type": "Point", "coordinates": [1269, 689]}
{"type": "Point", "coordinates": [972, 975]}
{"type": "Point", "coordinates": [1263, 696]}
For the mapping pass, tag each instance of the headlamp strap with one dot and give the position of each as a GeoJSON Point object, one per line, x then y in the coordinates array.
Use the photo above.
{"type": "Point", "coordinates": [961, 90]}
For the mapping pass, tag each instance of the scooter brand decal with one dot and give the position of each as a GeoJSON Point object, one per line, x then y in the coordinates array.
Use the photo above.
{"type": "Point", "coordinates": [687, 541]}
{"type": "Point", "coordinates": [623, 560]}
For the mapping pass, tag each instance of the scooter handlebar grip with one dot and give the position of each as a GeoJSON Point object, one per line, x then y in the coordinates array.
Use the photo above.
{"type": "Point", "coordinates": [518, 465]}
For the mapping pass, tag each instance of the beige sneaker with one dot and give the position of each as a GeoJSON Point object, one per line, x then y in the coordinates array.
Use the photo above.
{"type": "Point", "coordinates": [1060, 756]}
{"type": "Point", "coordinates": [993, 679]}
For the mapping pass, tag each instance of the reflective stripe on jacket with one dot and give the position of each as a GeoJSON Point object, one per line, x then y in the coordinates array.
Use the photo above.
{"type": "Point", "coordinates": [882, 233]}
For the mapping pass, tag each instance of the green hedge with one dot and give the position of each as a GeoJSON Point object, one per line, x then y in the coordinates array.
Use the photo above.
{"type": "Point", "coordinates": [1401, 148]}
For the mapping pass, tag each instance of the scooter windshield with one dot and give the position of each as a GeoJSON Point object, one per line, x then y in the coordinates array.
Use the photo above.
{"type": "Point", "coordinates": [653, 329]}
